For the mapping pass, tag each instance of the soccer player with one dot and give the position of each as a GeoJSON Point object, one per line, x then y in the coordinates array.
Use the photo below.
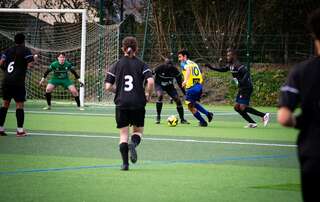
{"type": "Point", "coordinates": [241, 76]}
{"type": "Point", "coordinates": [15, 62]}
{"type": "Point", "coordinates": [193, 84]}
{"type": "Point", "coordinates": [164, 78]}
{"type": "Point", "coordinates": [129, 75]}
{"type": "Point", "coordinates": [302, 90]}
{"type": "Point", "coordinates": [60, 69]}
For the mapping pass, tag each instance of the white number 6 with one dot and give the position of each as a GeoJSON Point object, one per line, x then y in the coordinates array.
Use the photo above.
{"type": "Point", "coordinates": [10, 67]}
{"type": "Point", "coordinates": [128, 83]}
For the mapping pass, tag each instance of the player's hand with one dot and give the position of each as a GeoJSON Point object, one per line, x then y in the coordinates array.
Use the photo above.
{"type": "Point", "coordinates": [81, 83]}
{"type": "Point", "coordinates": [207, 65]}
{"type": "Point", "coordinates": [41, 81]}
{"type": "Point", "coordinates": [184, 83]}
{"type": "Point", "coordinates": [148, 96]}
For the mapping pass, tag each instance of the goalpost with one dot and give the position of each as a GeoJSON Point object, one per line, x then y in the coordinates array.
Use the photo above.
{"type": "Point", "coordinates": [88, 45]}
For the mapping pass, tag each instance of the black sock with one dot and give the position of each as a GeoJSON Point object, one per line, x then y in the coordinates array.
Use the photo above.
{"type": "Point", "coordinates": [180, 111]}
{"type": "Point", "coordinates": [246, 116]}
{"type": "Point", "coordinates": [3, 115]}
{"type": "Point", "coordinates": [124, 149]}
{"type": "Point", "coordinates": [254, 111]}
{"type": "Point", "coordinates": [48, 97]}
{"type": "Point", "coordinates": [77, 101]}
{"type": "Point", "coordinates": [135, 139]}
{"type": "Point", "coordinates": [20, 117]}
{"type": "Point", "coordinates": [159, 108]}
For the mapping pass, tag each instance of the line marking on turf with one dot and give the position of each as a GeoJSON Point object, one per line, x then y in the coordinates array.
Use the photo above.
{"type": "Point", "coordinates": [146, 163]}
{"type": "Point", "coordinates": [163, 139]}
{"type": "Point", "coordinates": [187, 113]}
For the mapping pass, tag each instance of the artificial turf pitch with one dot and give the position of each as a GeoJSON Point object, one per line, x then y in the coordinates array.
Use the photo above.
{"type": "Point", "coordinates": [73, 155]}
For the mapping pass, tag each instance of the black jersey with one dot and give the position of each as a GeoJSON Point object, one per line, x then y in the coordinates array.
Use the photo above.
{"type": "Point", "coordinates": [16, 64]}
{"type": "Point", "coordinates": [238, 71]}
{"type": "Point", "coordinates": [129, 75]}
{"type": "Point", "coordinates": [166, 73]}
{"type": "Point", "coordinates": [302, 90]}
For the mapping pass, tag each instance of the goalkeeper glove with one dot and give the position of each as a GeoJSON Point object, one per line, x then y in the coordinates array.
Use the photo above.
{"type": "Point", "coordinates": [81, 83]}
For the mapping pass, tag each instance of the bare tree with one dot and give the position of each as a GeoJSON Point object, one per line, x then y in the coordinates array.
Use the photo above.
{"type": "Point", "coordinates": [71, 4]}
{"type": "Point", "coordinates": [219, 28]}
{"type": "Point", "coordinates": [9, 3]}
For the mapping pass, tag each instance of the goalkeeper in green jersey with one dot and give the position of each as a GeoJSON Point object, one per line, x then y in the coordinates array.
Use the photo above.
{"type": "Point", "coordinates": [60, 69]}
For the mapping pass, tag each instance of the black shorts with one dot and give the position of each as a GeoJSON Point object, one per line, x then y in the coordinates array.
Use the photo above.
{"type": "Point", "coordinates": [243, 96]}
{"type": "Point", "coordinates": [170, 89]}
{"type": "Point", "coordinates": [18, 93]}
{"type": "Point", "coordinates": [130, 117]}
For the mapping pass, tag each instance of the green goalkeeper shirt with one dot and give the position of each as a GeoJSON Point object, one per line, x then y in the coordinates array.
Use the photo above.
{"type": "Point", "coordinates": [60, 71]}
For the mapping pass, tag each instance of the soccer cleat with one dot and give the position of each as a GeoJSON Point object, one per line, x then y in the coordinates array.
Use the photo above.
{"type": "Point", "coordinates": [158, 120]}
{"type": "Point", "coordinates": [2, 133]}
{"type": "Point", "coordinates": [204, 124]}
{"type": "Point", "coordinates": [251, 125]}
{"type": "Point", "coordinates": [21, 134]}
{"type": "Point", "coordinates": [266, 119]}
{"type": "Point", "coordinates": [125, 167]}
{"type": "Point", "coordinates": [183, 121]}
{"type": "Point", "coordinates": [133, 153]}
{"type": "Point", "coordinates": [47, 108]}
{"type": "Point", "coordinates": [81, 108]}
{"type": "Point", "coordinates": [210, 116]}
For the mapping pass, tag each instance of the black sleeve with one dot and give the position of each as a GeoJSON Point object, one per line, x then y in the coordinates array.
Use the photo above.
{"type": "Point", "coordinates": [111, 75]}
{"type": "Point", "coordinates": [46, 73]}
{"type": "Point", "coordinates": [74, 73]}
{"type": "Point", "coordinates": [147, 72]}
{"type": "Point", "coordinates": [218, 69]}
{"type": "Point", "coordinates": [28, 56]}
{"type": "Point", "coordinates": [289, 92]}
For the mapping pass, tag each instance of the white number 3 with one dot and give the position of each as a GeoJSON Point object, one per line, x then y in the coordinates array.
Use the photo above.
{"type": "Point", "coordinates": [10, 67]}
{"type": "Point", "coordinates": [128, 83]}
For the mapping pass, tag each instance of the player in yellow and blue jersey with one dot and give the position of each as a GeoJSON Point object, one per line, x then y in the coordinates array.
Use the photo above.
{"type": "Point", "coordinates": [193, 85]}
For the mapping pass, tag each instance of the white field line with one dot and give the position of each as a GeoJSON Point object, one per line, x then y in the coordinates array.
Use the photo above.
{"type": "Point", "coordinates": [164, 139]}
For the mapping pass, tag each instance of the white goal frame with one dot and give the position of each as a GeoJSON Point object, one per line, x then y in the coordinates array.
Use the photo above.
{"type": "Point", "coordinates": [83, 13]}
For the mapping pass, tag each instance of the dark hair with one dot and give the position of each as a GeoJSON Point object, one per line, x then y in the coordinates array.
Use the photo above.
{"type": "Point", "coordinates": [61, 53]}
{"type": "Point", "coordinates": [233, 51]}
{"type": "Point", "coordinates": [184, 53]}
{"type": "Point", "coordinates": [314, 23]}
{"type": "Point", "coordinates": [19, 38]}
{"type": "Point", "coordinates": [130, 44]}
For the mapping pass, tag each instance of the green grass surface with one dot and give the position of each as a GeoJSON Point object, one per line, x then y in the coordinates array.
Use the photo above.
{"type": "Point", "coordinates": [73, 155]}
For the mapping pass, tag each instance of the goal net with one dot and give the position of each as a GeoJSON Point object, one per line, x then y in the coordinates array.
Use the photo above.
{"type": "Point", "coordinates": [88, 45]}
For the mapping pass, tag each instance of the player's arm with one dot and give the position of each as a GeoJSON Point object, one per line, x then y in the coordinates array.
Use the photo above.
{"type": "Point", "coordinates": [45, 75]}
{"type": "Point", "coordinates": [29, 58]}
{"type": "Point", "coordinates": [147, 73]}
{"type": "Point", "coordinates": [218, 69]}
{"type": "Point", "coordinates": [2, 61]}
{"type": "Point", "coordinates": [179, 79]}
{"type": "Point", "coordinates": [289, 100]}
{"type": "Point", "coordinates": [187, 75]}
{"type": "Point", "coordinates": [110, 80]}
{"type": "Point", "coordinates": [76, 75]}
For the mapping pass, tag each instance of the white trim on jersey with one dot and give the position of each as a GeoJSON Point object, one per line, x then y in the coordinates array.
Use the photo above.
{"type": "Point", "coordinates": [146, 71]}
{"type": "Point", "coordinates": [289, 89]}
{"type": "Point", "coordinates": [111, 74]}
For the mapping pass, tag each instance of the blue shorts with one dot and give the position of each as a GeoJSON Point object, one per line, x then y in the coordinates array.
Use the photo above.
{"type": "Point", "coordinates": [243, 97]}
{"type": "Point", "coordinates": [194, 93]}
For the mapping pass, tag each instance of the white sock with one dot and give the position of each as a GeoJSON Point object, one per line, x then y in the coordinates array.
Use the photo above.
{"type": "Point", "coordinates": [20, 130]}
{"type": "Point", "coordinates": [1, 129]}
